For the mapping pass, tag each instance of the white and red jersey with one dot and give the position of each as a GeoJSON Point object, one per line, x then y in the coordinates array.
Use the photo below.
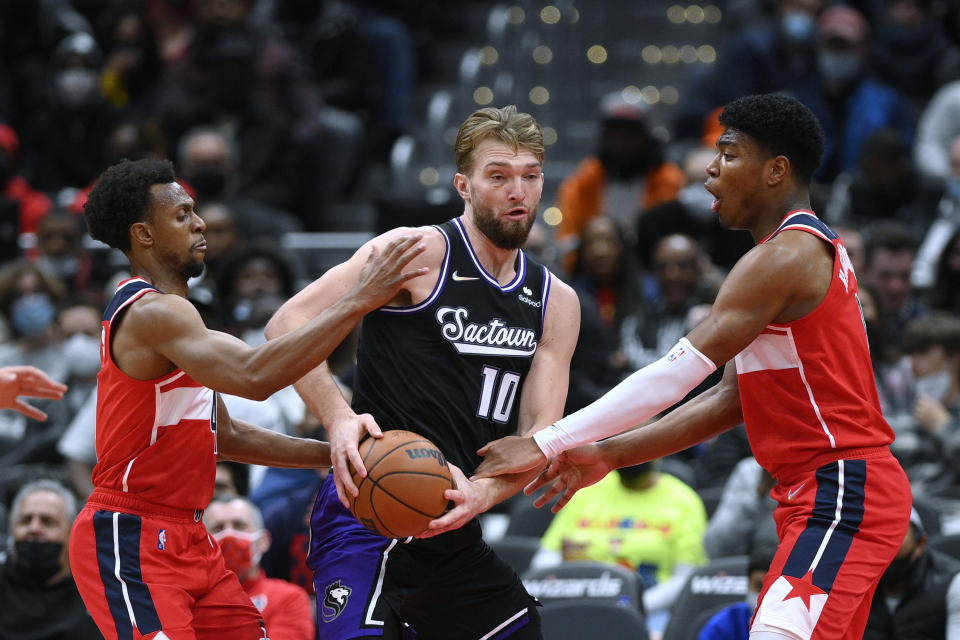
{"type": "Point", "coordinates": [156, 439]}
{"type": "Point", "coordinates": [807, 387]}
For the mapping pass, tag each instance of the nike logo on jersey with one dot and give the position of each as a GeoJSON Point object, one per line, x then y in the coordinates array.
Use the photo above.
{"type": "Point", "coordinates": [457, 278]}
{"type": "Point", "coordinates": [792, 493]}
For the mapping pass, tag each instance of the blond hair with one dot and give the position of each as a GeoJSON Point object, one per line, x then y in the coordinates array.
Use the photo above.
{"type": "Point", "coordinates": [506, 124]}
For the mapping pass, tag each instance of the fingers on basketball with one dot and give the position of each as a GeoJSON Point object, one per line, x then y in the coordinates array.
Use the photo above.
{"type": "Point", "coordinates": [404, 489]}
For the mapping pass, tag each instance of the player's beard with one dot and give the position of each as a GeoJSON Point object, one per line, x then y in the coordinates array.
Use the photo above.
{"type": "Point", "coordinates": [505, 234]}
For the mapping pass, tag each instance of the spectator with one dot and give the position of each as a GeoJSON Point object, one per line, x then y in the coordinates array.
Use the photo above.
{"type": "Point", "coordinates": [938, 126]}
{"type": "Point", "coordinates": [682, 287]}
{"type": "Point", "coordinates": [947, 222]}
{"type": "Point", "coordinates": [232, 479]}
{"type": "Point", "coordinates": [65, 142]}
{"type": "Point", "coordinates": [760, 58]}
{"type": "Point", "coordinates": [928, 438]}
{"type": "Point", "coordinates": [605, 273]}
{"type": "Point", "coordinates": [28, 300]}
{"type": "Point", "coordinates": [847, 100]}
{"type": "Point", "coordinates": [883, 186]}
{"type": "Point", "coordinates": [40, 599]}
{"type": "Point", "coordinates": [237, 525]}
{"type": "Point", "coordinates": [743, 518]}
{"type": "Point", "coordinates": [627, 177]}
{"type": "Point", "coordinates": [945, 295]}
{"type": "Point", "coordinates": [133, 64]}
{"type": "Point", "coordinates": [640, 518]}
{"type": "Point", "coordinates": [21, 206]}
{"type": "Point", "coordinates": [919, 594]}
{"type": "Point", "coordinates": [60, 250]}
{"type": "Point", "coordinates": [910, 50]}
{"type": "Point", "coordinates": [253, 284]}
{"type": "Point", "coordinates": [890, 252]}
{"type": "Point", "coordinates": [733, 622]}
{"type": "Point", "coordinates": [209, 163]}
{"type": "Point", "coordinates": [295, 152]}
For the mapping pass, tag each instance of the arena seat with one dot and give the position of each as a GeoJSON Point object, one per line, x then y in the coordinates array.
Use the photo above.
{"type": "Point", "coordinates": [527, 520]}
{"type": "Point", "coordinates": [517, 551]}
{"type": "Point", "coordinates": [585, 581]}
{"type": "Point", "coordinates": [723, 581]}
{"type": "Point", "coordinates": [592, 620]}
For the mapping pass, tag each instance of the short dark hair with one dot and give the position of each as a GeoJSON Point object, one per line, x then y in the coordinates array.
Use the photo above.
{"type": "Point", "coordinates": [781, 125]}
{"type": "Point", "coordinates": [892, 235]}
{"type": "Point", "coordinates": [937, 329]}
{"type": "Point", "coordinates": [121, 197]}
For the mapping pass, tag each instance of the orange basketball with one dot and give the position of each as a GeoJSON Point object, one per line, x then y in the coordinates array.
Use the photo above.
{"type": "Point", "coordinates": [403, 491]}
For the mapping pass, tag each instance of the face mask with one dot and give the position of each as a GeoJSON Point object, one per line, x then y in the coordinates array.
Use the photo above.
{"type": "Point", "coordinates": [897, 573]}
{"type": "Point", "coordinates": [208, 181]}
{"type": "Point", "coordinates": [82, 352]}
{"type": "Point", "coordinates": [39, 560]}
{"type": "Point", "coordinates": [936, 385]}
{"type": "Point", "coordinates": [798, 27]}
{"type": "Point", "coordinates": [628, 474]}
{"type": "Point", "coordinates": [952, 189]}
{"type": "Point", "coordinates": [838, 68]}
{"type": "Point", "coordinates": [65, 267]}
{"type": "Point", "coordinates": [77, 87]}
{"type": "Point", "coordinates": [237, 549]}
{"type": "Point", "coordinates": [753, 597]}
{"type": "Point", "coordinates": [32, 314]}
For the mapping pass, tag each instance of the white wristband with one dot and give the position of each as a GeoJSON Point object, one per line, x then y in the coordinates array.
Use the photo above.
{"type": "Point", "coordinates": [641, 396]}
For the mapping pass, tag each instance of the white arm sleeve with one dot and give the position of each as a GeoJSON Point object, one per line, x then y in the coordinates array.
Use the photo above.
{"type": "Point", "coordinates": [641, 396]}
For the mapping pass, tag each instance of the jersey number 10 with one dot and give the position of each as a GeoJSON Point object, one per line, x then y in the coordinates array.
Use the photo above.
{"type": "Point", "coordinates": [498, 393]}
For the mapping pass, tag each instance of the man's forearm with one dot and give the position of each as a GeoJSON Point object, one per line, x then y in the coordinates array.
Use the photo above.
{"type": "Point", "coordinates": [245, 442]}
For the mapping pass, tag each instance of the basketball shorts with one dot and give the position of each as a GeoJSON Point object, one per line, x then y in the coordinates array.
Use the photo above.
{"type": "Point", "coordinates": [839, 527]}
{"type": "Point", "coordinates": [451, 586]}
{"type": "Point", "coordinates": [155, 573]}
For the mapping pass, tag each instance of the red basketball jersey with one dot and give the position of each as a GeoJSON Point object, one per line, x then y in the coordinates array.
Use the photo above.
{"type": "Point", "coordinates": [807, 387]}
{"type": "Point", "coordinates": [156, 439]}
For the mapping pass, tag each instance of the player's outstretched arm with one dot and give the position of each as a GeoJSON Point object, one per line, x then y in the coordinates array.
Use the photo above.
{"type": "Point", "coordinates": [244, 442]}
{"type": "Point", "coordinates": [29, 381]}
{"type": "Point", "coordinates": [703, 417]}
{"type": "Point", "coordinates": [768, 284]}
{"type": "Point", "coordinates": [173, 328]}
{"type": "Point", "coordinates": [317, 388]}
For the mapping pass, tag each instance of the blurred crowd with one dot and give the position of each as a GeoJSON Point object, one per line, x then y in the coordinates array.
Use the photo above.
{"type": "Point", "coordinates": [273, 109]}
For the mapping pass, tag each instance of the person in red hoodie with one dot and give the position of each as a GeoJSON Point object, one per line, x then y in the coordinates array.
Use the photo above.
{"type": "Point", "coordinates": [17, 198]}
{"type": "Point", "coordinates": [237, 524]}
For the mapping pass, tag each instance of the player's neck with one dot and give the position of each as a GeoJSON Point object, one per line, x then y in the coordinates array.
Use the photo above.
{"type": "Point", "coordinates": [771, 217]}
{"type": "Point", "coordinates": [160, 278]}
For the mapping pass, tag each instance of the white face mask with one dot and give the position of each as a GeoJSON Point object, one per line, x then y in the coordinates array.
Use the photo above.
{"type": "Point", "coordinates": [82, 353]}
{"type": "Point", "coordinates": [936, 385]}
{"type": "Point", "coordinates": [77, 87]}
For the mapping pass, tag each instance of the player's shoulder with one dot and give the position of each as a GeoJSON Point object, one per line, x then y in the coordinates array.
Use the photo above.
{"type": "Point", "coordinates": [562, 292]}
{"type": "Point", "coordinates": [154, 310]}
{"type": "Point", "coordinates": [432, 238]}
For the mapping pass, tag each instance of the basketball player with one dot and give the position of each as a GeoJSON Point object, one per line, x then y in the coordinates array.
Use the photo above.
{"type": "Point", "coordinates": [478, 350]}
{"type": "Point", "coordinates": [142, 560]}
{"type": "Point", "coordinates": [787, 324]}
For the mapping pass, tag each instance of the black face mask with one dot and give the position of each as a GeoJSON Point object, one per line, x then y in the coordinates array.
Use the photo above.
{"type": "Point", "coordinates": [37, 560]}
{"type": "Point", "coordinates": [209, 182]}
{"type": "Point", "coordinates": [897, 573]}
{"type": "Point", "coordinates": [6, 169]}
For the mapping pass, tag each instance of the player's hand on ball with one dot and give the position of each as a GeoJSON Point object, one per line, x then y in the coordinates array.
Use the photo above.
{"type": "Point", "coordinates": [344, 435]}
{"type": "Point", "coordinates": [469, 499]}
{"type": "Point", "coordinates": [513, 454]}
{"type": "Point", "coordinates": [383, 275]}
{"type": "Point", "coordinates": [568, 473]}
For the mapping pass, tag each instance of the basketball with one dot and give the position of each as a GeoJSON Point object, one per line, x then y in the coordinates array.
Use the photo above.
{"type": "Point", "coordinates": [403, 491]}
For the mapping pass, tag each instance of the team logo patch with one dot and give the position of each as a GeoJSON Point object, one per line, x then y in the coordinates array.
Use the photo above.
{"type": "Point", "coordinates": [162, 539]}
{"type": "Point", "coordinates": [335, 597]}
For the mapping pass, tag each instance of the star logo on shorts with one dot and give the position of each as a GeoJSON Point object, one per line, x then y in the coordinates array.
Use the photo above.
{"type": "Point", "coordinates": [803, 588]}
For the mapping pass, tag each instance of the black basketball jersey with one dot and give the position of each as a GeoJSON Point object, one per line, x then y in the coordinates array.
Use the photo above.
{"type": "Point", "coordinates": [452, 367]}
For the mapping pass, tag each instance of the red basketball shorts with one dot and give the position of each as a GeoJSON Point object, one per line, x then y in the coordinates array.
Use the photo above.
{"type": "Point", "coordinates": [839, 527]}
{"type": "Point", "coordinates": [155, 573]}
